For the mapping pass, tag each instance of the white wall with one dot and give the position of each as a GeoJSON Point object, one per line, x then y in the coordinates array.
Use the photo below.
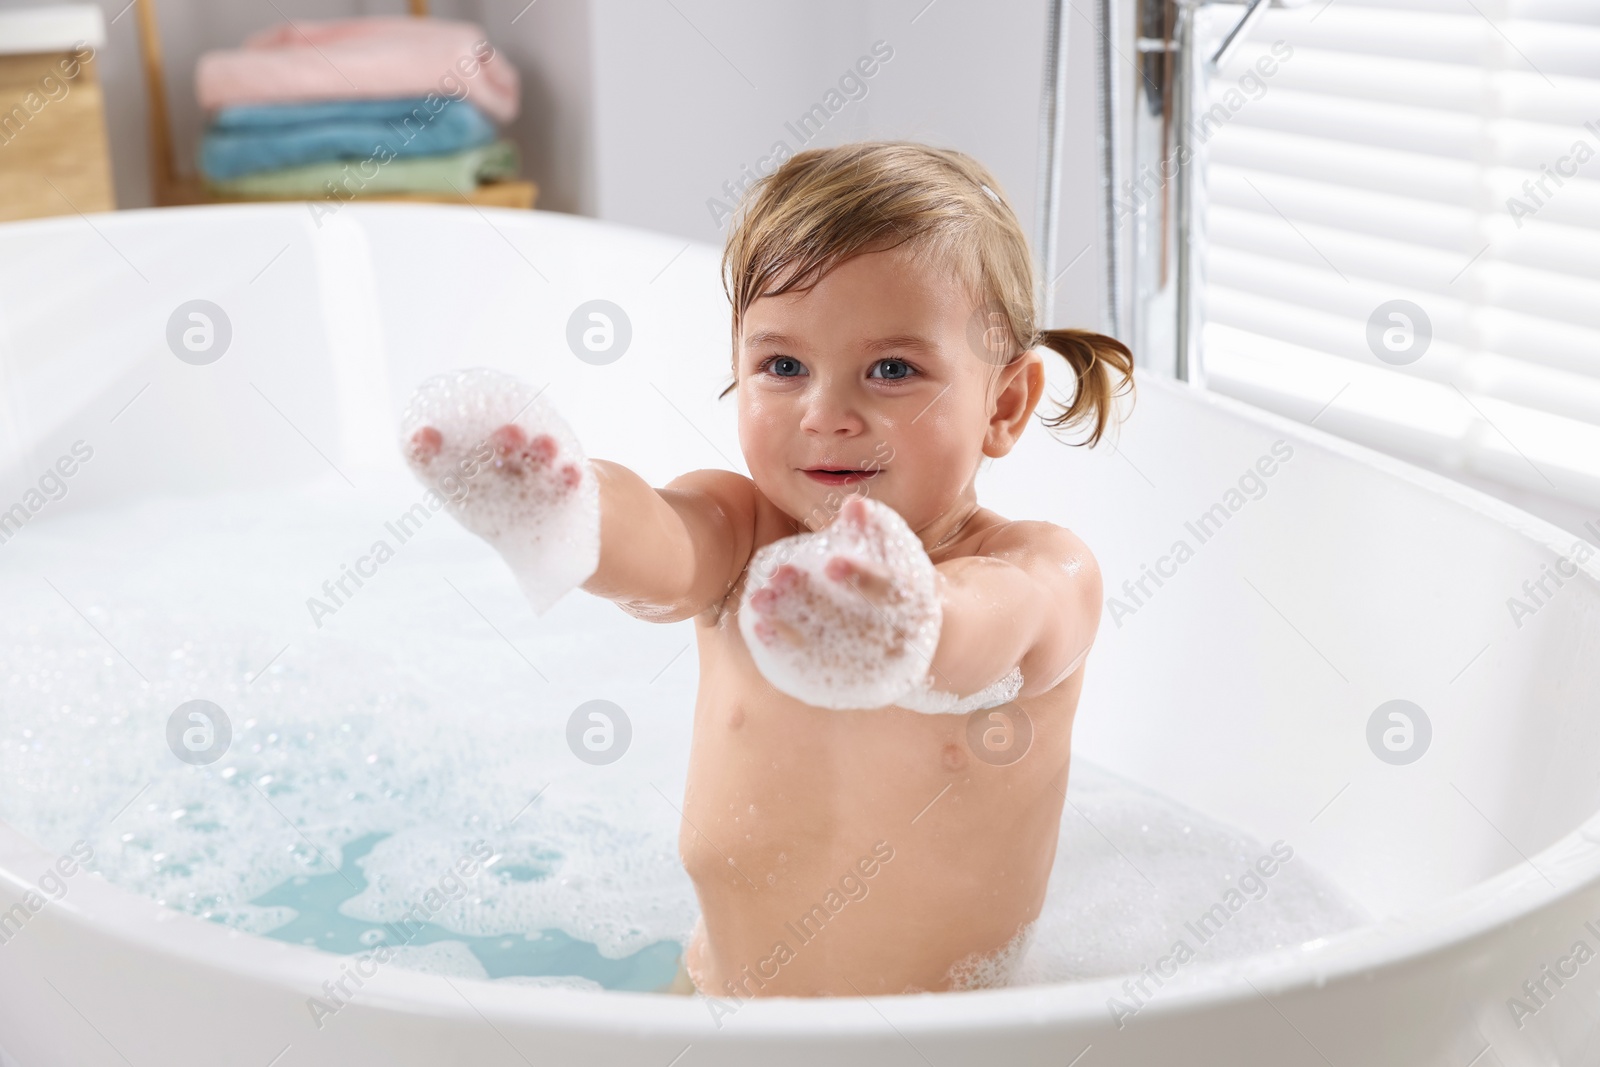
{"type": "Point", "coordinates": [638, 111]}
{"type": "Point", "coordinates": [695, 94]}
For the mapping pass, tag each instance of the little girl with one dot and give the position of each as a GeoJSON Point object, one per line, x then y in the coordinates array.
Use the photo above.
{"type": "Point", "coordinates": [888, 670]}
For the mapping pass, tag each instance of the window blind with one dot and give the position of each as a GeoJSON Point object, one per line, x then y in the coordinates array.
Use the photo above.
{"type": "Point", "coordinates": [1404, 232]}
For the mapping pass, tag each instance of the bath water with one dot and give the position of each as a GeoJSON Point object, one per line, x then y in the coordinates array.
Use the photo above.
{"type": "Point", "coordinates": [398, 714]}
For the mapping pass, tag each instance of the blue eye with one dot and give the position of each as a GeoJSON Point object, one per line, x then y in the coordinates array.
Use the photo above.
{"type": "Point", "coordinates": [792, 365]}
{"type": "Point", "coordinates": [896, 370]}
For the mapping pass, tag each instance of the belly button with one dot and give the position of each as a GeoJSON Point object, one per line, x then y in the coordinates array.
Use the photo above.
{"type": "Point", "coordinates": [954, 759]}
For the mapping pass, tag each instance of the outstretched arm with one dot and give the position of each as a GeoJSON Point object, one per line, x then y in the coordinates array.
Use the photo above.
{"type": "Point", "coordinates": [515, 475]}
{"type": "Point", "coordinates": [669, 554]}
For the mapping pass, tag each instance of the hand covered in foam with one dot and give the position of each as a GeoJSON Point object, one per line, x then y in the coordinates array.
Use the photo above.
{"type": "Point", "coordinates": [848, 616]}
{"type": "Point", "coordinates": [511, 471]}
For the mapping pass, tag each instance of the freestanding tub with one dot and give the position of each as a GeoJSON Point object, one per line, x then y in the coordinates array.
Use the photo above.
{"type": "Point", "coordinates": [1244, 683]}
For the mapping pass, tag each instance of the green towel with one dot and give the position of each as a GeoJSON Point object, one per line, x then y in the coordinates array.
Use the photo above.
{"type": "Point", "coordinates": [458, 171]}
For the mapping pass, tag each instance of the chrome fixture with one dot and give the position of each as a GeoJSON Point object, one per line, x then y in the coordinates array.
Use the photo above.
{"type": "Point", "coordinates": [1154, 278]}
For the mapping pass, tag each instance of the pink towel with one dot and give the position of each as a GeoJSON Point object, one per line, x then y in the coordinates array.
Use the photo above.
{"type": "Point", "coordinates": [363, 58]}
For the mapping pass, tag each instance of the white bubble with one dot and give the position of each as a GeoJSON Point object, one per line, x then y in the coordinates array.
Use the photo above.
{"type": "Point", "coordinates": [1114, 909]}
{"type": "Point", "coordinates": [989, 970]}
{"type": "Point", "coordinates": [452, 959]}
{"type": "Point", "coordinates": [539, 508]}
{"type": "Point", "coordinates": [937, 702]}
{"type": "Point", "coordinates": [856, 654]}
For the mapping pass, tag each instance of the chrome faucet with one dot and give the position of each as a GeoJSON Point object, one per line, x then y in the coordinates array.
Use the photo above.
{"type": "Point", "coordinates": [1154, 269]}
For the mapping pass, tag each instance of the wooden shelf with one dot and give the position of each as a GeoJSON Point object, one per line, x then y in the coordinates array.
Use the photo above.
{"type": "Point", "coordinates": [514, 194]}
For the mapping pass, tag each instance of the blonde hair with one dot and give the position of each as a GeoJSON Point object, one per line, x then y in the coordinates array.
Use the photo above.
{"type": "Point", "coordinates": [826, 205]}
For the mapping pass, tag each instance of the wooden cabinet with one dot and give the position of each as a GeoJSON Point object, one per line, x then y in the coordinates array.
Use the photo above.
{"type": "Point", "coordinates": [54, 158]}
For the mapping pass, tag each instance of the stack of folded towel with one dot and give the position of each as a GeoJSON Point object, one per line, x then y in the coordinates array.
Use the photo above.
{"type": "Point", "coordinates": [352, 107]}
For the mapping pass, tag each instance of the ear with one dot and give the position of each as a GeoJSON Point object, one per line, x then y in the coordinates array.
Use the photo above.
{"type": "Point", "coordinates": [1019, 388]}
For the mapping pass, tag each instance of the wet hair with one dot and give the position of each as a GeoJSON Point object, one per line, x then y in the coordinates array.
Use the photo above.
{"type": "Point", "coordinates": [826, 205]}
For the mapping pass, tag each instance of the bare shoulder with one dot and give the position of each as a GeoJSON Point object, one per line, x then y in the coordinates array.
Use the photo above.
{"type": "Point", "coordinates": [723, 500]}
{"type": "Point", "coordinates": [1051, 553]}
{"type": "Point", "coordinates": [1059, 561]}
{"type": "Point", "coordinates": [730, 490]}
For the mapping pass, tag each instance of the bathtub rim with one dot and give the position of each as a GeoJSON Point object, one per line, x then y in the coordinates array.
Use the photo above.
{"type": "Point", "coordinates": [1473, 912]}
{"type": "Point", "coordinates": [193, 214]}
{"type": "Point", "coordinates": [98, 908]}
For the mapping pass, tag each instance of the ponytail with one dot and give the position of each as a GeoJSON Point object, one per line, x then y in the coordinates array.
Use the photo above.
{"type": "Point", "coordinates": [1093, 357]}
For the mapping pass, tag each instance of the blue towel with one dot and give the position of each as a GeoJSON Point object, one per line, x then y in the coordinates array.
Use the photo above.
{"type": "Point", "coordinates": [244, 140]}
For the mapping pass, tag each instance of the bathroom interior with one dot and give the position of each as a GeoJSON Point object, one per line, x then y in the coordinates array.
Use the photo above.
{"type": "Point", "coordinates": [292, 771]}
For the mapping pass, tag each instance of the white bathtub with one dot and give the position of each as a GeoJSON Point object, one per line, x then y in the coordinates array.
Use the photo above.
{"type": "Point", "coordinates": [1243, 687]}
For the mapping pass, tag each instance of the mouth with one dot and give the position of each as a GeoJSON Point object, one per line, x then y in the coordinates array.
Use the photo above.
{"type": "Point", "coordinates": [840, 477]}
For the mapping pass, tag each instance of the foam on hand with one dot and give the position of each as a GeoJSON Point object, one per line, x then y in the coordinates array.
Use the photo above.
{"type": "Point", "coordinates": [512, 471]}
{"type": "Point", "coordinates": [854, 653]}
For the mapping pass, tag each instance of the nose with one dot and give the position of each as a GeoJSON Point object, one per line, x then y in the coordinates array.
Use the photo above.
{"type": "Point", "coordinates": [832, 408]}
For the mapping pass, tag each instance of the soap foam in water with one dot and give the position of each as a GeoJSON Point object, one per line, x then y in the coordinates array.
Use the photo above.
{"type": "Point", "coordinates": [1135, 872]}
{"type": "Point", "coordinates": [933, 701]}
{"type": "Point", "coordinates": [856, 654]}
{"type": "Point", "coordinates": [407, 719]}
{"type": "Point", "coordinates": [540, 511]}
{"type": "Point", "coordinates": [405, 714]}
{"type": "Point", "coordinates": [994, 969]}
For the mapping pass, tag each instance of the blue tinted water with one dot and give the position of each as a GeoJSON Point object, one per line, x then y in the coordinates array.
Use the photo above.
{"type": "Point", "coordinates": [318, 922]}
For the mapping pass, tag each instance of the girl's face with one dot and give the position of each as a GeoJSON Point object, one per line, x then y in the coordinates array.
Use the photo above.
{"type": "Point", "coordinates": [878, 368]}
